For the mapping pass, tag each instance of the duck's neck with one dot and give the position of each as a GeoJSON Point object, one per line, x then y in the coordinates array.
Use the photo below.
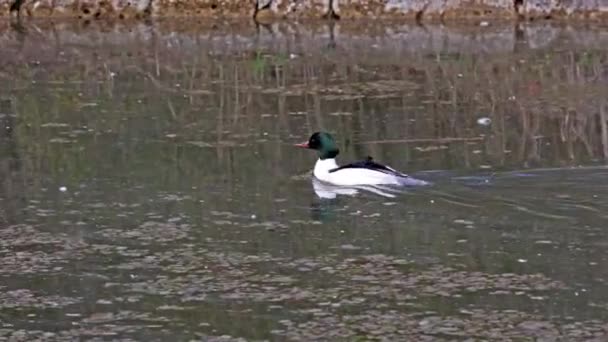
{"type": "Point", "coordinates": [328, 153]}
{"type": "Point", "coordinates": [322, 166]}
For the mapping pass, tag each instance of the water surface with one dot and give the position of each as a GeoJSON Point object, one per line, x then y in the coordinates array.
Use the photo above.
{"type": "Point", "coordinates": [149, 189]}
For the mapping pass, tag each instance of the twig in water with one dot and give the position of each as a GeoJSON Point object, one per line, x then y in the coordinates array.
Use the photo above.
{"type": "Point", "coordinates": [184, 91]}
{"type": "Point", "coordinates": [171, 109]}
{"type": "Point", "coordinates": [405, 141]}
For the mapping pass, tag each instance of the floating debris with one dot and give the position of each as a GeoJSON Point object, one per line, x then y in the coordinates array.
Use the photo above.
{"type": "Point", "coordinates": [54, 124]}
{"type": "Point", "coordinates": [463, 222]}
{"type": "Point", "coordinates": [149, 232]}
{"type": "Point", "coordinates": [484, 121]}
{"type": "Point", "coordinates": [25, 298]}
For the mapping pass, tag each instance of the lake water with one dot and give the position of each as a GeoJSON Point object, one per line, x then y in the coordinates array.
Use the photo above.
{"type": "Point", "coordinates": [149, 189]}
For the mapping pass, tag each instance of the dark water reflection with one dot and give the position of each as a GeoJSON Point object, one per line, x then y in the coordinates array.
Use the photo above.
{"type": "Point", "coordinates": [148, 188]}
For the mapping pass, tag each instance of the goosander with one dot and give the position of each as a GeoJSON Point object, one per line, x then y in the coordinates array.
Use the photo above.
{"type": "Point", "coordinates": [365, 172]}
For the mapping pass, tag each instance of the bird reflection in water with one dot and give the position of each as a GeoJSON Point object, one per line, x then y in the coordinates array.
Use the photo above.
{"type": "Point", "coordinates": [327, 201]}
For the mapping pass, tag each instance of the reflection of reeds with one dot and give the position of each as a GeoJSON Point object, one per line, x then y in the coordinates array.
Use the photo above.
{"type": "Point", "coordinates": [545, 106]}
{"type": "Point", "coordinates": [603, 119]}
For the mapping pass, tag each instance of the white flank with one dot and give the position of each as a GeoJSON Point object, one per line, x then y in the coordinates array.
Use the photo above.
{"type": "Point", "coordinates": [354, 176]}
{"type": "Point", "coordinates": [330, 191]}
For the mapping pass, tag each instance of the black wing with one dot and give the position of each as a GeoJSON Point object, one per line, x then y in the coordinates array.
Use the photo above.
{"type": "Point", "coordinates": [369, 163]}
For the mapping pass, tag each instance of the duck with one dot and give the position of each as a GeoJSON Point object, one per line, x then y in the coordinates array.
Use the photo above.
{"type": "Point", "coordinates": [364, 172]}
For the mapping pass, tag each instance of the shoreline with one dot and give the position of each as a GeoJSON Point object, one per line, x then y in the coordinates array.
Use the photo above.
{"type": "Point", "coordinates": [271, 10]}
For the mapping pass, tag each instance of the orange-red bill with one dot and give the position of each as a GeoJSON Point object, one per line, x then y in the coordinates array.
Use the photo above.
{"type": "Point", "coordinates": [303, 145]}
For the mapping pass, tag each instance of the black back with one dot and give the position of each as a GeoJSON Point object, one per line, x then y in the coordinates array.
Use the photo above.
{"type": "Point", "coordinates": [369, 163]}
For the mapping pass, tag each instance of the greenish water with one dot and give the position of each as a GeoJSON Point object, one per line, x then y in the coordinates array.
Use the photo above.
{"type": "Point", "coordinates": [149, 190]}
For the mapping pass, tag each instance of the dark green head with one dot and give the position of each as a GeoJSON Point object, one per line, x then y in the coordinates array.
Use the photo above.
{"type": "Point", "coordinates": [323, 143]}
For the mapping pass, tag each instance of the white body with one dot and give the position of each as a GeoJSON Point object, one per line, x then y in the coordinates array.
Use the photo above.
{"type": "Point", "coordinates": [330, 191]}
{"type": "Point", "coordinates": [354, 176]}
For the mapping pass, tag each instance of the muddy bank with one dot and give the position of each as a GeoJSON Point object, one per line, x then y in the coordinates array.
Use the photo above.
{"type": "Point", "coordinates": [294, 9]}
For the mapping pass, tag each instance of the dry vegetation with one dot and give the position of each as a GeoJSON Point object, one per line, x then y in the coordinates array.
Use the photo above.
{"type": "Point", "coordinates": [545, 104]}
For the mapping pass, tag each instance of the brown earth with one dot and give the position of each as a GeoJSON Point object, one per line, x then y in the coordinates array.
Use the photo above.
{"type": "Point", "coordinates": [265, 10]}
